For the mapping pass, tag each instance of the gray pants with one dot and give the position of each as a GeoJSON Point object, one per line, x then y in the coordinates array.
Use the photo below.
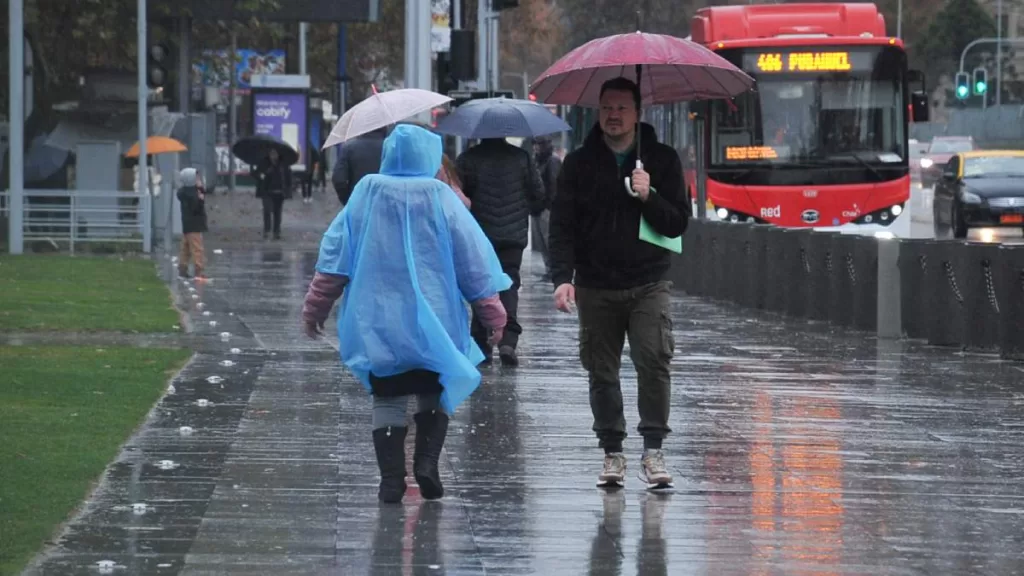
{"type": "Point", "coordinates": [539, 236]}
{"type": "Point", "coordinates": [391, 411]}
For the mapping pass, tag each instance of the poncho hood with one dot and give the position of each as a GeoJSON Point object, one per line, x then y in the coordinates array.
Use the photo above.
{"type": "Point", "coordinates": [411, 151]}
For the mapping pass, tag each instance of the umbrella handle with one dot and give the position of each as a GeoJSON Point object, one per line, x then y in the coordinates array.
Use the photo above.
{"type": "Point", "coordinates": [629, 187]}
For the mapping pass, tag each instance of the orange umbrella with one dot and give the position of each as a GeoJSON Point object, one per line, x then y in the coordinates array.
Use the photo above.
{"type": "Point", "coordinates": [157, 145]}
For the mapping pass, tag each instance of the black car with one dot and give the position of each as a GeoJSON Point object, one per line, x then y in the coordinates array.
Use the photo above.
{"type": "Point", "coordinates": [983, 188]}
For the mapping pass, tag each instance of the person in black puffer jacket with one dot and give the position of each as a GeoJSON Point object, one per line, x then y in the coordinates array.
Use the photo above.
{"type": "Point", "coordinates": [505, 189]}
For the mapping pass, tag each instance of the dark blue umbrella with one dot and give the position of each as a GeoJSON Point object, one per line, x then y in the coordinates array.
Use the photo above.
{"type": "Point", "coordinates": [500, 118]}
{"type": "Point", "coordinates": [43, 160]}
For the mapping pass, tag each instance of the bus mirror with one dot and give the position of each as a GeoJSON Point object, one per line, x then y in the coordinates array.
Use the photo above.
{"type": "Point", "coordinates": [919, 106]}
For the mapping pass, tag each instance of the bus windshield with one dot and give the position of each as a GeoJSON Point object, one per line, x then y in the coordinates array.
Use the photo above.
{"type": "Point", "coordinates": [833, 107]}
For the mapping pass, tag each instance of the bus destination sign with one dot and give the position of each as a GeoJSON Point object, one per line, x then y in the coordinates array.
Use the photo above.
{"type": "Point", "coordinates": [799, 62]}
{"type": "Point", "coordinates": [735, 153]}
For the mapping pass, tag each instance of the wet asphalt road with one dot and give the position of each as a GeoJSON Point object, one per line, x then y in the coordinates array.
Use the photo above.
{"type": "Point", "coordinates": [796, 450]}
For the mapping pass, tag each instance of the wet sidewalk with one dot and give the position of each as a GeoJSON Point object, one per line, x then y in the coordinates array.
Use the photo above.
{"type": "Point", "coordinates": [796, 451]}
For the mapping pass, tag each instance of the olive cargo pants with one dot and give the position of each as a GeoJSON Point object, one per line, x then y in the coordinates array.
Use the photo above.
{"type": "Point", "coordinates": [607, 317]}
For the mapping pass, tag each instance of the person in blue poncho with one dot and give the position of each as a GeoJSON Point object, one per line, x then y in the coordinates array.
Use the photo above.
{"type": "Point", "coordinates": [404, 256]}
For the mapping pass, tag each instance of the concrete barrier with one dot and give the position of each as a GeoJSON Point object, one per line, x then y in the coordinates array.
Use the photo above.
{"type": "Point", "coordinates": [950, 293]}
{"type": "Point", "coordinates": [1009, 280]}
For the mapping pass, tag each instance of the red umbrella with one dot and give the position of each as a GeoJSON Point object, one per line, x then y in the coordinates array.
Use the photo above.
{"type": "Point", "coordinates": [668, 69]}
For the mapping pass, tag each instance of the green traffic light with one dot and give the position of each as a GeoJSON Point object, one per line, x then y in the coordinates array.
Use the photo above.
{"type": "Point", "coordinates": [979, 87]}
{"type": "Point", "coordinates": [961, 91]}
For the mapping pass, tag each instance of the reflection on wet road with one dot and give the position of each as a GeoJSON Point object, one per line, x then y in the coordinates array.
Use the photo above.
{"type": "Point", "coordinates": [796, 450]}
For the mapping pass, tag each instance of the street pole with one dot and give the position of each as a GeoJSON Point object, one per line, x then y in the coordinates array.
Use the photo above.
{"type": "Point", "coordinates": [702, 194]}
{"type": "Point", "coordinates": [999, 55]}
{"type": "Point", "coordinates": [973, 43]}
{"type": "Point", "coordinates": [143, 97]}
{"type": "Point", "coordinates": [342, 65]}
{"type": "Point", "coordinates": [417, 44]}
{"type": "Point", "coordinates": [482, 43]}
{"type": "Point", "coordinates": [899, 19]}
{"type": "Point", "coordinates": [232, 109]}
{"type": "Point", "coordinates": [495, 72]}
{"type": "Point", "coordinates": [16, 113]}
{"type": "Point", "coordinates": [457, 25]}
{"type": "Point", "coordinates": [303, 27]}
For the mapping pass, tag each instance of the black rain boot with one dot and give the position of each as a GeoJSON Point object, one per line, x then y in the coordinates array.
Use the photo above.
{"type": "Point", "coordinates": [389, 444]}
{"type": "Point", "coordinates": [431, 429]}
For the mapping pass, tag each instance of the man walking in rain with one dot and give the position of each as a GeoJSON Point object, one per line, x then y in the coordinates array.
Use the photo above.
{"type": "Point", "coordinates": [359, 157]}
{"type": "Point", "coordinates": [616, 280]}
{"type": "Point", "coordinates": [504, 188]}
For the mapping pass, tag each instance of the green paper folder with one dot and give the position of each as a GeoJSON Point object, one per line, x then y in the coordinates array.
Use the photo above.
{"type": "Point", "coordinates": [647, 234]}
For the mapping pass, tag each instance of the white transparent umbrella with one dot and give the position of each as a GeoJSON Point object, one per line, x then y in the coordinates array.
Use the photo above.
{"type": "Point", "coordinates": [383, 109]}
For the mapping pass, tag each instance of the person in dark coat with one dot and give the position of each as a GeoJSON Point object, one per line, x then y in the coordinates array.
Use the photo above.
{"type": "Point", "coordinates": [192, 196]}
{"type": "Point", "coordinates": [617, 281]}
{"type": "Point", "coordinates": [548, 165]}
{"type": "Point", "coordinates": [504, 189]}
{"type": "Point", "coordinates": [309, 175]}
{"type": "Point", "coordinates": [274, 186]}
{"type": "Point", "coordinates": [359, 156]}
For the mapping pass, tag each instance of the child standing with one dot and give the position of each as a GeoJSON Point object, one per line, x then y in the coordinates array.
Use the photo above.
{"type": "Point", "coordinates": [192, 196]}
{"type": "Point", "coordinates": [407, 254]}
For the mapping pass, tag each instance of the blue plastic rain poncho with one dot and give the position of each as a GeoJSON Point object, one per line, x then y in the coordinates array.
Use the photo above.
{"type": "Point", "coordinates": [413, 255]}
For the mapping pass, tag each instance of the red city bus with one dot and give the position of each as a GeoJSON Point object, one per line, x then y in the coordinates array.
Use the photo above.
{"type": "Point", "coordinates": [822, 140]}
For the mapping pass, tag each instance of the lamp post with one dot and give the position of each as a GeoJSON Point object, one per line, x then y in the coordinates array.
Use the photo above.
{"type": "Point", "coordinates": [999, 53]}
{"type": "Point", "coordinates": [16, 113]}
{"type": "Point", "coordinates": [143, 97]}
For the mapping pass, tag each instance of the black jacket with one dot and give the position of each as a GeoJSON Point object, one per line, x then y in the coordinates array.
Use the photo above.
{"type": "Point", "coordinates": [359, 157]}
{"type": "Point", "coordinates": [193, 210]}
{"type": "Point", "coordinates": [548, 165]}
{"type": "Point", "coordinates": [504, 187]}
{"type": "Point", "coordinates": [271, 177]}
{"type": "Point", "coordinates": [595, 223]}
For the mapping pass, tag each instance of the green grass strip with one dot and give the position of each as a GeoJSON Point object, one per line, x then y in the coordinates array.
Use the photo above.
{"type": "Point", "coordinates": [64, 413]}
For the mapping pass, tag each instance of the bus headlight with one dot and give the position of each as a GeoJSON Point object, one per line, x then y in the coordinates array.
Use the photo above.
{"type": "Point", "coordinates": [896, 210]}
{"type": "Point", "coordinates": [722, 213]}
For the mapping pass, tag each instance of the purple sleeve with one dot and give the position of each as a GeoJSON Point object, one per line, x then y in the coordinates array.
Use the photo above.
{"type": "Point", "coordinates": [323, 291]}
{"type": "Point", "coordinates": [491, 312]}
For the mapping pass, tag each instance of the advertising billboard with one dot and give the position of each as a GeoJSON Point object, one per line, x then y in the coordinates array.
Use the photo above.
{"type": "Point", "coordinates": [213, 68]}
{"type": "Point", "coordinates": [283, 115]}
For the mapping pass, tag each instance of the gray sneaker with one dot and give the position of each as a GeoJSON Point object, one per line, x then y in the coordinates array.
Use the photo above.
{"type": "Point", "coordinates": [614, 472]}
{"type": "Point", "coordinates": [653, 470]}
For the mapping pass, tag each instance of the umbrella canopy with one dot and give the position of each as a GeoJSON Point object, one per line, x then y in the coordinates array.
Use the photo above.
{"type": "Point", "coordinates": [501, 117]}
{"type": "Point", "coordinates": [157, 145]}
{"type": "Point", "coordinates": [383, 109]}
{"type": "Point", "coordinates": [43, 160]}
{"type": "Point", "coordinates": [668, 69]}
{"type": "Point", "coordinates": [253, 149]}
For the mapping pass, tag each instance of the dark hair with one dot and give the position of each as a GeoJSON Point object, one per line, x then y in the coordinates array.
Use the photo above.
{"type": "Point", "coordinates": [624, 85]}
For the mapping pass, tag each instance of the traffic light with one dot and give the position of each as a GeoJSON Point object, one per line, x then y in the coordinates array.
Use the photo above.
{"type": "Point", "coordinates": [157, 58]}
{"type": "Point", "coordinates": [980, 81]}
{"type": "Point", "coordinates": [963, 89]}
{"type": "Point", "coordinates": [499, 5]}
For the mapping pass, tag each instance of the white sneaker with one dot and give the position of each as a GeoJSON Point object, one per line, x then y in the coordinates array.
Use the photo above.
{"type": "Point", "coordinates": [653, 470]}
{"type": "Point", "coordinates": [614, 472]}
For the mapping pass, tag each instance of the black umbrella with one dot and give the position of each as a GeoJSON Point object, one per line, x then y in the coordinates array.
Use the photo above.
{"type": "Point", "coordinates": [253, 149]}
